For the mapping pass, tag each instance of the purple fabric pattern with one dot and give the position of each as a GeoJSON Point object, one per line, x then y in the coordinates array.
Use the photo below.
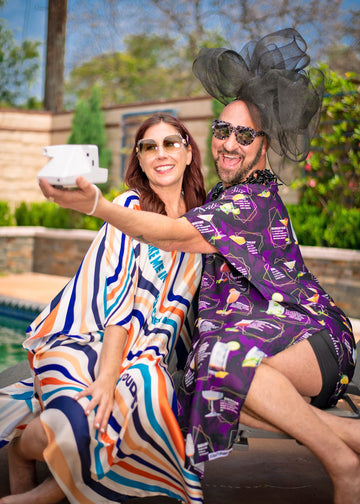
{"type": "Point", "coordinates": [257, 298]}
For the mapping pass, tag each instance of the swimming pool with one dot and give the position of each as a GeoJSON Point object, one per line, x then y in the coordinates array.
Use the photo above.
{"type": "Point", "coordinates": [12, 334]}
{"type": "Point", "coordinates": [15, 316]}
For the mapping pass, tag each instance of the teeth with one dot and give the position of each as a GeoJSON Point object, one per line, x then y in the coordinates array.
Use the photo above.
{"type": "Point", "coordinates": [163, 168]}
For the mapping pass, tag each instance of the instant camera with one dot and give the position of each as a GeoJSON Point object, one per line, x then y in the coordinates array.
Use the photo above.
{"type": "Point", "coordinates": [71, 161]}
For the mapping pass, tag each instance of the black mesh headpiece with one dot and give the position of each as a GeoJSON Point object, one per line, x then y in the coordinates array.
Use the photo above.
{"type": "Point", "coordinates": [270, 74]}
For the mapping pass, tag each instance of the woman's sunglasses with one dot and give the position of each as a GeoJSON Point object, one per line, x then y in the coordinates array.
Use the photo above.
{"type": "Point", "coordinates": [243, 135]}
{"type": "Point", "coordinates": [170, 144]}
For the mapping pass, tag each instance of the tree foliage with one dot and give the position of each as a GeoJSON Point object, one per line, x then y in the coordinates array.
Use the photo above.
{"type": "Point", "coordinates": [329, 209]}
{"type": "Point", "coordinates": [19, 65]}
{"type": "Point", "coordinates": [147, 70]}
{"type": "Point", "coordinates": [144, 50]}
{"type": "Point", "coordinates": [332, 171]}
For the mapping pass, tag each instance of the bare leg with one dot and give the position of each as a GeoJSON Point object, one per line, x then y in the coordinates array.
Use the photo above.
{"type": "Point", "coordinates": [33, 441]}
{"type": "Point", "coordinates": [22, 472]}
{"type": "Point", "coordinates": [299, 364]}
{"type": "Point", "coordinates": [274, 398]}
{"type": "Point", "coordinates": [48, 492]}
{"type": "Point", "coordinates": [348, 429]}
{"type": "Point", "coordinates": [22, 456]}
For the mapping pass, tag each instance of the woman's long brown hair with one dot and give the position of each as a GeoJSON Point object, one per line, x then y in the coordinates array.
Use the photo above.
{"type": "Point", "coordinates": [193, 182]}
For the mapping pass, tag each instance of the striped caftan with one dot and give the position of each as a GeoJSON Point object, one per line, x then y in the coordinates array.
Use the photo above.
{"type": "Point", "coordinates": [150, 293]}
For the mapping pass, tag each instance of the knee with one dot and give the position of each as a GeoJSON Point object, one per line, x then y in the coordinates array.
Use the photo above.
{"type": "Point", "coordinates": [33, 441]}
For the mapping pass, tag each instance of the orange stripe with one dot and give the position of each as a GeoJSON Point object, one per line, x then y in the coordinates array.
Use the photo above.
{"type": "Point", "coordinates": [122, 278]}
{"type": "Point", "coordinates": [55, 458]}
{"type": "Point", "coordinates": [121, 403]}
{"type": "Point", "coordinates": [168, 414]}
{"type": "Point", "coordinates": [140, 472]}
{"type": "Point", "coordinates": [52, 381]}
{"type": "Point", "coordinates": [47, 324]}
{"type": "Point", "coordinates": [66, 356]}
{"type": "Point", "coordinates": [190, 275]}
{"type": "Point", "coordinates": [148, 453]}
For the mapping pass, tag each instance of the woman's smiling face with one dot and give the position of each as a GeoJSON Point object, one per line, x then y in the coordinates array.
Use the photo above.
{"type": "Point", "coordinates": [164, 168]}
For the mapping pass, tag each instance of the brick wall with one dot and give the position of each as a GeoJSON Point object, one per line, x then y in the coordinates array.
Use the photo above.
{"type": "Point", "coordinates": [23, 134]}
{"type": "Point", "coordinates": [60, 252]}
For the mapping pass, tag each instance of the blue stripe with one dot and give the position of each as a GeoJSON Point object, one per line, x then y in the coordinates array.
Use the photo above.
{"type": "Point", "coordinates": [79, 424]}
{"type": "Point", "coordinates": [150, 412]}
{"type": "Point", "coordinates": [96, 279]}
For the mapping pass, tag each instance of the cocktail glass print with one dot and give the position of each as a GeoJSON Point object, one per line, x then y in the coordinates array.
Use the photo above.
{"type": "Point", "coordinates": [232, 297]}
{"type": "Point", "coordinates": [211, 396]}
{"type": "Point", "coordinates": [224, 269]}
{"type": "Point", "coordinates": [274, 308]}
{"type": "Point", "coordinates": [189, 446]}
{"type": "Point", "coordinates": [219, 356]}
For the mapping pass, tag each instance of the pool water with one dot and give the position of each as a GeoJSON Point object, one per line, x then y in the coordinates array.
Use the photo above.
{"type": "Point", "coordinates": [12, 334]}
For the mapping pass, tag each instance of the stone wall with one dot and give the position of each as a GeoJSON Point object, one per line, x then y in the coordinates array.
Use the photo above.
{"type": "Point", "coordinates": [338, 271]}
{"type": "Point", "coordinates": [60, 252]}
{"type": "Point", "coordinates": [42, 250]}
{"type": "Point", "coordinates": [17, 249]}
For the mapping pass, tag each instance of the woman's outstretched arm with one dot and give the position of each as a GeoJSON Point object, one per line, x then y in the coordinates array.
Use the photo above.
{"type": "Point", "coordinates": [148, 227]}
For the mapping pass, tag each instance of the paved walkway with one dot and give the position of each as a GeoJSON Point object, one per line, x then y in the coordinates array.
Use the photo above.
{"type": "Point", "coordinates": [270, 472]}
{"type": "Point", "coordinates": [34, 287]}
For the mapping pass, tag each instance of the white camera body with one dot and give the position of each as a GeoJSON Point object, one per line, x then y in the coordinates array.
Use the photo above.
{"type": "Point", "coordinates": [71, 161]}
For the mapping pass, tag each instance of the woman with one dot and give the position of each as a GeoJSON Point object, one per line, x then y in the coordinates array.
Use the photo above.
{"type": "Point", "coordinates": [100, 410]}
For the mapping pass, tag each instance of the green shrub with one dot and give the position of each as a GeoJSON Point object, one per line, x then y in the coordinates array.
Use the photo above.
{"type": "Point", "coordinates": [333, 226]}
{"type": "Point", "coordinates": [343, 227]}
{"type": "Point", "coordinates": [309, 224]}
{"type": "Point", "coordinates": [51, 215]}
{"type": "Point", "coordinates": [6, 217]}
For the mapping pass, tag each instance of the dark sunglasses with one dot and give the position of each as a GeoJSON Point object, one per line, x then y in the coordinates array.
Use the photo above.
{"type": "Point", "coordinates": [170, 144]}
{"type": "Point", "coordinates": [243, 135]}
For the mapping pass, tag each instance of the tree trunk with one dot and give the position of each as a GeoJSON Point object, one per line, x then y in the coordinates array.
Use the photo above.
{"type": "Point", "coordinates": [55, 55]}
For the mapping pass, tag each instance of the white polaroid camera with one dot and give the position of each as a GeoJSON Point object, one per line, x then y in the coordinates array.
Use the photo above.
{"type": "Point", "coordinates": [71, 161]}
